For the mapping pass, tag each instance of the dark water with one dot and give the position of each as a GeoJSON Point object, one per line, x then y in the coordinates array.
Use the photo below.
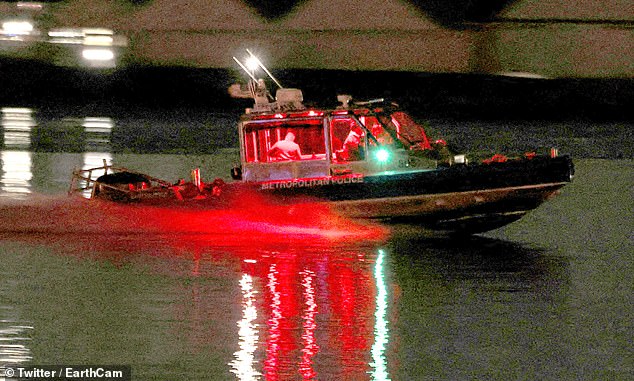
{"type": "Point", "coordinates": [280, 294]}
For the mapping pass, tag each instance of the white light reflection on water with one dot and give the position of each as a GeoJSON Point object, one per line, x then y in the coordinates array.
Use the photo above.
{"type": "Point", "coordinates": [13, 340]}
{"type": "Point", "coordinates": [17, 123]}
{"type": "Point", "coordinates": [16, 173]}
{"type": "Point", "coordinates": [378, 363]}
{"type": "Point", "coordinates": [243, 365]}
{"type": "Point", "coordinates": [98, 131]}
{"type": "Point", "coordinates": [308, 336]}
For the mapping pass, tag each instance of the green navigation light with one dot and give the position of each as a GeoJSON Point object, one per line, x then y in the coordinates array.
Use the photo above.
{"type": "Point", "coordinates": [382, 155]}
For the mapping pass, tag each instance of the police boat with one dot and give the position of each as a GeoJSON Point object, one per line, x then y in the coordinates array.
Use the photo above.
{"type": "Point", "coordinates": [367, 160]}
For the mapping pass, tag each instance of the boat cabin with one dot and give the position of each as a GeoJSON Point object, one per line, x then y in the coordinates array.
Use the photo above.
{"type": "Point", "coordinates": [283, 140]}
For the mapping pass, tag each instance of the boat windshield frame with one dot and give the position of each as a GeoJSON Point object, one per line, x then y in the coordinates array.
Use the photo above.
{"type": "Point", "coordinates": [383, 126]}
{"type": "Point", "coordinates": [405, 132]}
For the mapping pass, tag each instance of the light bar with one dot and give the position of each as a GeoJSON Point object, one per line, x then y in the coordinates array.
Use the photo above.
{"type": "Point", "coordinates": [17, 27]}
{"type": "Point", "coordinates": [98, 54]}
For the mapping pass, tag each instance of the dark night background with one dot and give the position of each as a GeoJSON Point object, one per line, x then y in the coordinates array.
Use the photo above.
{"type": "Point", "coordinates": [436, 95]}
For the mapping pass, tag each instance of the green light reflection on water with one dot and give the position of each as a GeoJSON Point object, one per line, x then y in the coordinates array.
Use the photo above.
{"type": "Point", "coordinates": [379, 363]}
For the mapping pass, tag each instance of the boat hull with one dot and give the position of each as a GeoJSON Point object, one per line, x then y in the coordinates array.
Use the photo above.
{"type": "Point", "coordinates": [467, 212]}
{"type": "Point", "coordinates": [460, 199]}
{"type": "Point", "coordinates": [463, 198]}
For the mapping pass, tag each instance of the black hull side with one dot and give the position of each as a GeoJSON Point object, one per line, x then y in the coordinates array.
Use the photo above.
{"type": "Point", "coordinates": [457, 178]}
{"type": "Point", "coordinates": [458, 199]}
{"type": "Point", "coordinates": [465, 199]}
{"type": "Point", "coordinates": [467, 212]}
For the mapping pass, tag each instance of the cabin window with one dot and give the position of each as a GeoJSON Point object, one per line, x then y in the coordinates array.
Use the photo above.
{"type": "Point", "coordinates": [260, 140]}
{"type": "Point", "coordinates": [405, 129]}
{"type": "Point", "coordinates": [347, 139]}
{"type": "Point", "coordinates": [379, 134]}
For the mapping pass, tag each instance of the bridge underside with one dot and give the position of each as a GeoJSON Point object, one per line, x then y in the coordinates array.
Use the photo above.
{"type": "Point", "coordinates": [552, 50]}
{"type": "Point", "coordinates": [551, 38]}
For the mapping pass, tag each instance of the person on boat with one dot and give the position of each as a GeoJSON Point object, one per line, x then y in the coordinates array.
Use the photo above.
{"type": "Point", "coordinates": [382, 137]}
{"type": "Point", "coordinates": [286, 149]}
{"type": "Point", "coordinates": [352, 149]}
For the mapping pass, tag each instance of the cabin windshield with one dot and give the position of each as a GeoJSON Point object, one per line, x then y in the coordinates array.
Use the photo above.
{"type": "Point", "coordinates": [284, 140]}
{"type": "Point", "coordinates": [379, 135]}
{"type": "Point", "coordinates": [347, 140]}
{"type": "Point", "coordinates": [403, 128]}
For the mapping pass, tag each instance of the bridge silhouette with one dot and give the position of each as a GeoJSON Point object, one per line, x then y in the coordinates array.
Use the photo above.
{"type": "Point", "coordinates": [549, 38]}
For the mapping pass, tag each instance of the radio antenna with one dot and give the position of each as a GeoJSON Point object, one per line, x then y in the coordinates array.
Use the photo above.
{"type": "Point", "coordinates": [246, 70]}
{"type": "Point", "coordinates": [260, 64]}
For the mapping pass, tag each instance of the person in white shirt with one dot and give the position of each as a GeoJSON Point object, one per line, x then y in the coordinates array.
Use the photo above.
{"type": "Point", "coordinates": [286, 149]}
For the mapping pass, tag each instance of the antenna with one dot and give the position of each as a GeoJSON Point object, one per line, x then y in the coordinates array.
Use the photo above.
{"type": "Point", "coordinates": [260, 64]}
{"type": "Point", "coordinates": [245, 69]}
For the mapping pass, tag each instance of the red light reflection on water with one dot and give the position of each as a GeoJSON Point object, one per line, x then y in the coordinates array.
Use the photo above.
{"type": "Point", "coordinates": [255, 222]}
{"type": "Point", "coordinates": [273, 342]}
{"type": "Point", "coordinates": [351, 297]}
{"type": "Point", "coordinates": [309, 342]}
{"type": "Point", "coordinates": [300, 311]}
{"type": "Point", "coordinates": [313, 307]}
{"type": "Point", "coordinates": [282, 324]}
{"type": "Point", "coordinates": [283, 300]}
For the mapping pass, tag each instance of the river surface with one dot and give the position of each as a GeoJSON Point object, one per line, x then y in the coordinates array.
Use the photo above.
{"type": "Point", "coordinates": [246, 295]}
